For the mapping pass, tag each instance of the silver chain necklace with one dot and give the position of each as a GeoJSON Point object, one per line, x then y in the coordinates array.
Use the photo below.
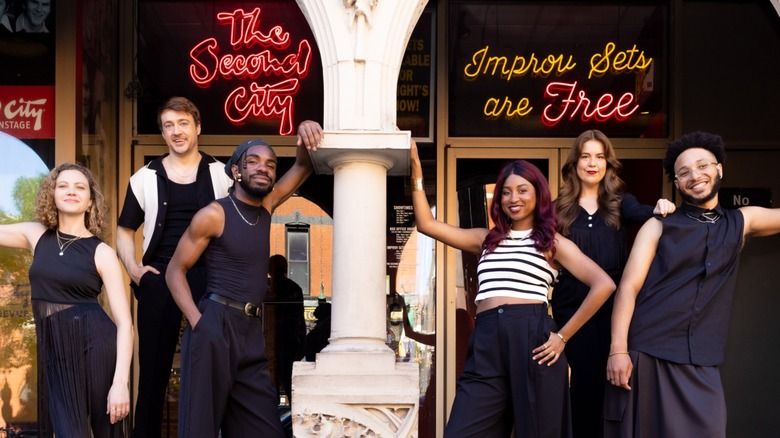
{"type": "Point", "coordinates": [242, 216]}
{"type": "Point", "coordinates": [64, 243]}
{"type": "Point", "coordinates": [184, 177]}
{"type": "Point", "coordinates": [708, 217]}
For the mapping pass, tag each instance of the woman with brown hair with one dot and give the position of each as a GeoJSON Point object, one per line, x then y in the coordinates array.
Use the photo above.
{"type": "Point", "coordinates": [592, 209]}
{"type": "Point", "coordinates": [83, 356]}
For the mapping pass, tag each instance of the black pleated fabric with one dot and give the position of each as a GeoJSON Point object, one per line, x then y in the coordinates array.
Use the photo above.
{"type": "Point", "coordinates": [76, 362]}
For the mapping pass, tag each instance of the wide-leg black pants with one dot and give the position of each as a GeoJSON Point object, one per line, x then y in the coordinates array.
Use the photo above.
{"type": "Point", "coordinates": [225, 381]}
{"type": "Point", "coordinates": [502, 387]}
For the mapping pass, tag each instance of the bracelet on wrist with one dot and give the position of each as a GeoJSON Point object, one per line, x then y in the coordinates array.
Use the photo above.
{"type": "Point", "coordinates": [417, 185]}
{"type": "Point", "coordinates": [617, 352]}
{"type": "Point", "coordinates": [562, 338]}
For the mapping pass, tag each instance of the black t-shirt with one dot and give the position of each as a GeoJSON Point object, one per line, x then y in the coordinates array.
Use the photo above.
{"type": "Point", "coordinates": [182, 206]}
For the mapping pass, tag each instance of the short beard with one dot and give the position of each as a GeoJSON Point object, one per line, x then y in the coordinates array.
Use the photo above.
{"type": "Point", "coordinates": [688, 199]}
{"type": "Point", "coordinates": [257, 192]}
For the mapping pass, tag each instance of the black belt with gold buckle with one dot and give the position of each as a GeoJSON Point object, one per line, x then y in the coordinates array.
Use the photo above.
{"type": "Point", "coordinates": [249, 309]}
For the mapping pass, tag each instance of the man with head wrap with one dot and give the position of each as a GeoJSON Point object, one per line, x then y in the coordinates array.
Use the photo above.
{"type": "Point", "coordinates": [225, 383]}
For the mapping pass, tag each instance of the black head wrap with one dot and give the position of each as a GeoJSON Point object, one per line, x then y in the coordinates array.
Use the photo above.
{"type": "Point", "coordinates": [240, 151]}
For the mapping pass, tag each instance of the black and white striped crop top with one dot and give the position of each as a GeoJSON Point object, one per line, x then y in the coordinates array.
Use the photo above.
{"type": "Point", "coordinates": [515, 269]}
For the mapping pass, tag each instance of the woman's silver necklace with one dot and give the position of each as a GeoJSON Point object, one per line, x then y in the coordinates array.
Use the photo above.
{"type": "Point", "coordinates": [242, 216]}
{"type": "Point", "coordinates": [64, 243]}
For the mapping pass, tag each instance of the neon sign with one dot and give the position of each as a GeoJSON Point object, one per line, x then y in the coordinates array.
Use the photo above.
{"type": "Point", "coordinates": [269, 99]}
{"type": "Point", "coordinates": [604, 108]}
{"type": "Point", "coordinates": [482, 64]}
{"type": "Point", "coordinates": [566, 99]}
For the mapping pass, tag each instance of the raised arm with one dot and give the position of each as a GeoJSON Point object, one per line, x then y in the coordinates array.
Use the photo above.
{"type": "Point", "coordinates": [23, 235]}
{"type": "Point", "coordinates": [761, 221]}
{"type": "Point", "coordinates": [118, 401]}
{"type": "Point", "coordinates": [637, 213]}
{"type": "Point", "coordinates": [207, 224]}
{"type": "Point", "coordinates": [619, 365]}
{"type": "Point", "coordinates": [309, 138]}
{"type": "Point", "coordinates": [464, 239]}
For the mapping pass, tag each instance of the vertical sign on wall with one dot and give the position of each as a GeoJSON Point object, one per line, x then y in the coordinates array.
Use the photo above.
{"type": "Point", "coordinates": [415, 81]}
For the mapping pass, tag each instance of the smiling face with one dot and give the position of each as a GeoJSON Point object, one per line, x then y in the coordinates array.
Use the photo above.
{"type": "Point", "coordinates": [72, 194]}
{"type": "Point", "coordinates": [592, 163]}
{"type": "Point", "coordinates": [258, 171]}
{"type": "Point", "coordinates": [518, 201]}
{"type": "Point", "coordinates": [37, 11]}
{"type": "Point", "coordinates": [180, 132]}
{"type": "Point", "coordinates": [698, 177]}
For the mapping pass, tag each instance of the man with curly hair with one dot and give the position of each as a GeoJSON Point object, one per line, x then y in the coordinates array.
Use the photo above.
{"type": "Point", "coordinates": [673, 304]}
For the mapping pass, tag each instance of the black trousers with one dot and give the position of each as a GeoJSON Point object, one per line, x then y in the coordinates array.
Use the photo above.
{"type": "Point", "coordinates": [158, 324]}
{"type": "Point", "coordinates": [502, 386]}
{"type": "Point", "coordinates": [225, 383]}
{"type": "Point", "coordinates": [587, 353]}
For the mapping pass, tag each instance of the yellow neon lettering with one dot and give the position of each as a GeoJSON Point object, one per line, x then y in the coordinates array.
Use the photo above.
{"type": "Point", "coordinates": [482, 64]}
{"type": "Point", "coordinates": [473, 68]}
{"type": "Point", "coordinates": [623, 61]}
{"type": "Point", "coordinates": [494, 108]}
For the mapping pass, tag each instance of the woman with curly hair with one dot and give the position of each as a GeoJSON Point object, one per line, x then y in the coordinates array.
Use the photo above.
{"type": "Point", "coordinates": [593, 209]}
{"type": "Point", "coordinates": [83, 357]}
{"type": "Point", "coordinates": [515, 375]}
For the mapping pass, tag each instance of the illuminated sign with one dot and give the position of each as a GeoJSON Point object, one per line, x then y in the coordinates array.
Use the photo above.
{"type": "Point", "coordinates": [567, 100]}
{"type": "Point", "coordinates": [555, 71]}
{"type": "Point", "coordinates": [27, 111]}
{"type": "Point", "coordinates": [268, 78]}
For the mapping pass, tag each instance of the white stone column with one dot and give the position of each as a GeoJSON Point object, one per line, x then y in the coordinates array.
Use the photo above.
{"type": "Point", "coordinates": [359, 251]}
{"type": "Point", "coordinates": [355, 387]}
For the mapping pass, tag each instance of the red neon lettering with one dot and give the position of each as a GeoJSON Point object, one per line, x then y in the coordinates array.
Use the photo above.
{"type": "Point", "coordinates": [199, 70]}
{"type": "Point", "coordinates": [244, 30]}
{"type": "Point", "coordinates": [566, 99]}
{"type": "Point", "coordinates": [263, 101]}
{"type": "Point", "coordinates": [207, 63]}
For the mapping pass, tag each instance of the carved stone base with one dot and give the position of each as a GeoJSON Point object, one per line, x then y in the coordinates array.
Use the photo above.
{"type": "Point", "coordinates": [368, 396]}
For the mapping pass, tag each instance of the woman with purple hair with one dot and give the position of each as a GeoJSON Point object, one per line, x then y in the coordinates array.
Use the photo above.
{"type": "Point", "coordinates": [516, 373]}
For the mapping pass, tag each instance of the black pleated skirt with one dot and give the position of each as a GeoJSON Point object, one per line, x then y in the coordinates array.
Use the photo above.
{"type": "Point", "coordinates": [76, 362]}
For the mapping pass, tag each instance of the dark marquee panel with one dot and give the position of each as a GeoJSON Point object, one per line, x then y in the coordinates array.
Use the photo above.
{"type": "Point", "coordinates": [554, 69]}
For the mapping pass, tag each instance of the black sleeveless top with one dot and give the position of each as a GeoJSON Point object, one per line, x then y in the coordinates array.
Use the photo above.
{"type": "Point", "coordinates": [237, 261]}
{"type": "Point", "coordinates": [71, 278]}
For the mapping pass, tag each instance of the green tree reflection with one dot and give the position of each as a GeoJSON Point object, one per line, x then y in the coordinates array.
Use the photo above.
{"type": "Point", "coordinates": [17, 328]}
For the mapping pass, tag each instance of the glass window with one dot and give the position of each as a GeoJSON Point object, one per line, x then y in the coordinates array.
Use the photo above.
{"type": "Point", "coordinates": [298, 255]}
{"type": "Point", "coordinates": [541, 69]}
{"type": "Point", "coordinates": [224, 57]}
